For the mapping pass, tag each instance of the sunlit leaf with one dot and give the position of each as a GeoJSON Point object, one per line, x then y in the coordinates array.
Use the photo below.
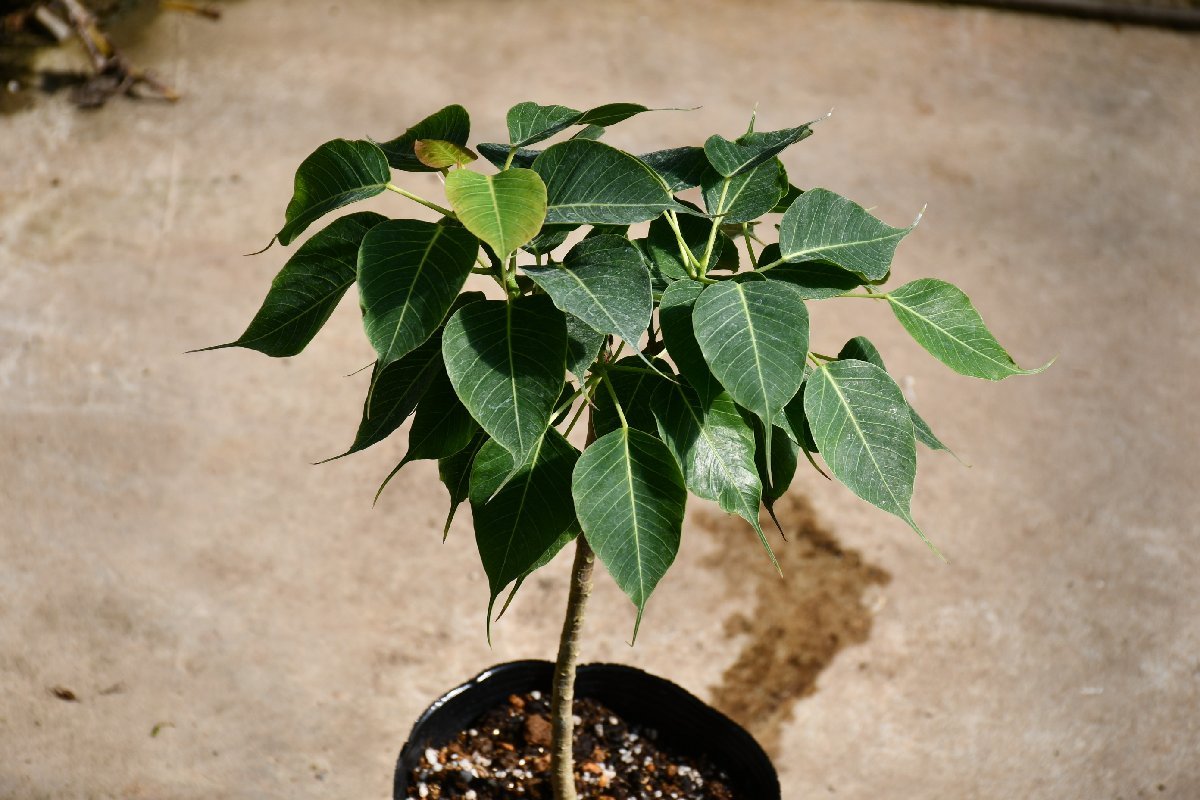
{"type": "Point", "coordinates": [588, 181]}
{"type": "Point", "coordinates": [744, 197]}
{"type": "Point", "coordinates": [450, 124]}
{"type": "Point", "coordinates": [748, 151]}
{"type": "Point", "coordinates": [861, 348]}
{"type": "Point", "coordinates": [336, 174]}
{"type": "Point", "coordinates": [439, 154]}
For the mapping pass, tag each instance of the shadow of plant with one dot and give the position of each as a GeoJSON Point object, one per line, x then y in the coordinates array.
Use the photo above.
{"type": "Point", "coordinates": [799, 623]}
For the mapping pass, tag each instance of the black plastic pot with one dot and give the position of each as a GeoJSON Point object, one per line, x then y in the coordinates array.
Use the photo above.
{"type": "Point", "coordinates": [684, 723]}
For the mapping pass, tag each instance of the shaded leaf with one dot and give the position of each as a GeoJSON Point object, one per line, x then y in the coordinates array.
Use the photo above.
{"type": "Point", "coordinates": [816, 280]}
{"type": "Point", "coordinates": [790, 194]}
{"type": "Point", "coordinates": [823, 226]}
{"type": "Point", "coordinates": [409, 273]}
{"type": "Point", "coordinates": [455, 473]}
{"type": "Point", "coordinates": [861, 348]}
{"type": "Point", "coordinates": [603, 282]}
{"type": "Point", "coordinates": [675, 318]}
{"type": "Point", "coordinates": [680, 167]}
{"type": "Point", "coordinates": [336, 174]}
{"type": "Point", "coordinates": [715, 449]}
{"type": "Point", "coordinates": [439, 154]}
{"type": "Point", "coordinates": [505, 210]}
{"type": "Point", "coordinates": [498, 154]}
{"type": "Point", "coordinates": [450, 124]}
{"type": "Point", "coordinates": [307, 289]}
{"type": "Point", "coordinates": [583, 345]}
{"type": "Point", "coordinates": [588, 181]}
{"type": "Point", "coordinates": [590, 132]}
{"type": "Point", "coordinates": [630, 498]}
{"type": "Point", "coordinates": [863, 426]}
{"type": "Point", "coordinates": [442, 425]}
{"type": "Point", "coordinates": [748, 151]}
{"type": "Point", "coordinates": [662, 247]}
{"type": "Point", "coordinates": [518, 525]}
{"type": "Point", "coordinates": [507, 362]}
{"type": "Point", "coordinates": [943, 321]}
{"type": "Point", "coordinates": [745, 197]}
{"type": "Point", "coordinates": [634, 385]}
{"type": "Point", "coordinates": [550, 238]}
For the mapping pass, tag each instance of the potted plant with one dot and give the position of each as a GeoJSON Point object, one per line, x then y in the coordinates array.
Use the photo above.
{"type": "Point", "coordinates": [686, 344]}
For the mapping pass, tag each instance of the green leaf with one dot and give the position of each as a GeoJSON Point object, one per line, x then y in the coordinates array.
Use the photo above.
{"type": "Point", "coordinates": [630, 498]}
{"type": "Point", "coordinates": [675, 318]}
{"type": "Point", "coordinates": [864, 429]}
{"type": "Point", "coordinates": [505, 210]}
{"type": "Point", "coordinates": [583, 345]}
{"type": "Point", "coordinates": [507, 361]}
{"type": "Point", "coordinates": [750, 150]}
{"type": "Point", "coordinates": [550, 238]}
{"type": "Point", "coordinates": [590, 132]}
{"type": "Point", "coordinates": [634, 385]}
{"type": "Point", "coordinates": [516, 525]}
{"type": "Point", "coordinates": [547, 556]}
{"type": "Point", "coordinates": [943, 321]}
{"type": "Point", "coordinates": [498, 155]}
{"type": "Point", "coordinates": [409, 273]}
{"type": "Point", "coordinates": [816, 280]}
{"type": "Point", "coordinates": [451, 124]}
{"type": "Point", "coordinates": [440, 154]}
{"type": "Point", "coordinates": [778, 475]}
{"type": "Point", "coordinates": [715, 448]}
{"type": "Point", "coordinates": [790, 194]}
{"type": "Point", "coordinates": [680, 167]}
{"type": "Point", "coordinates": [590, 182]}
{"type": "Point", "coordinates": [307, 289]}
{"type": "Point", "coordinates": [529, 123]}
{"type": "Point", "coordinates": [797, 426]}
{"type": "Point", "coordinates": [610, 114]}
{"type": "Point", "coordinates": [861, 349]}
{"type": "Point", "coordinates": [455, 472]}
{"type": "Point", "coordinates": [336, 174]}
{"type": "Point", "coordinates": [823, 226]}
{"type": "Point", "coordinates": [745, 197]}
{"type": "Point", "coordinates": [662, 248]}
{"type": "Point", "coordinates": [754, 337]}
{"type": "Point", "coordinates": [604, 282]}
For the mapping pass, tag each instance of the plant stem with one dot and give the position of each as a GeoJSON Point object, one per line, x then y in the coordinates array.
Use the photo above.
{"type": "Point", "coordinates": [562, 701]}
{"type": "Point", "coordinates": [445, 212]}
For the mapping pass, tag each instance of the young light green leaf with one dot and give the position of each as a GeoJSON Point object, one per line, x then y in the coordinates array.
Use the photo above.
{"type": "Point", "coordinates": [529, 123]}
{"type": "Point", "coordinates": [630, 498]}
{"type": "Point", "coordinates": [307, 289]}
{"type": "Point", "coordinates": [523, 157]}
{"type": "Point", "coordinates": [605, 283]}
{"type": "Point", "coordinates": [754, 337]}
{"type": "Point", "coordinates": [861, 348]}
{"type": "Point", "coordinates": [635, 385]}
{"type": "Point", "coordinates": [744, 197]}
{"type": "Point", "coordinates": [943, 321]}
{"type": "Point", "coordinates": [455, 473]}
{"type": "Point", "coordinates": [823, 226]}
{"type": "Point", "coordinates": [440, 154]}
{"type": "Point", "coordinates": [505, 210]}
{"type": "Point", "coordinates": [507, 361]}
{"type": "Point", "coordinates": [590, 182]}
{"type": "Point", "coordinates": [816, 280]}
{"type": "Point", "coordinates": [863, 426]}
{"type": "Point", "coordinates": [751, 149]}
{"type": "Point", "coordinates": [336, 174]}
{"type": "Point", "coordinates": [450, 124]}
{"type": "Point", "coordinates": [409, 273]}
{"type": "Point", "coordinates": [680, 167]}
{"type": "Point", "coordinates": [516, 525]}
{"type": "Point", "coordinates": [675, 318]}
{"type": "Point", "coordinates": [715, 448]}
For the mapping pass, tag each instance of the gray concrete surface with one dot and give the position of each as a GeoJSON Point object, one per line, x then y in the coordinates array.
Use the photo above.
{"type": "Point", "coordinates": [168, 554]}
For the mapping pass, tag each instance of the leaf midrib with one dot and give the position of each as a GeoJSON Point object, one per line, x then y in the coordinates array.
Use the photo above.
{"type": "Point", "coordinates": [948, 334]}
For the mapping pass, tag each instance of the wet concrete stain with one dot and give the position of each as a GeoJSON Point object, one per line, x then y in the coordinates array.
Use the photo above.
{"type": "Point", "coordinates": [799, 623]}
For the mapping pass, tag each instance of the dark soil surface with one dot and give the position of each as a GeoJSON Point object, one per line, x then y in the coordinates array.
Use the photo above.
{"type": "Point", "coordinates": [507, 754]}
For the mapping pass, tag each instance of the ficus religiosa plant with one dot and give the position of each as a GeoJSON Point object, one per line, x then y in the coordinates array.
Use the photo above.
{"type": "Point", "coordinates": [686, 344]}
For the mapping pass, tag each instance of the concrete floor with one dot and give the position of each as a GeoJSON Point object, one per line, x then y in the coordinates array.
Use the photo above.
{"type": "Point", "coordinates": [238, 624]}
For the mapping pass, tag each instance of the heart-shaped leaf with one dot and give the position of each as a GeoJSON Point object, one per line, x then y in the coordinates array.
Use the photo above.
{"type": "Point", "coordinates": [450, 124]}
{"type": "Point", "coordinates": [863, 426]}
{"type": "Point", "coordinates": [409, 273]}
{"type": "Point", "coordinates": [505, 210]}
{"type": "Point", "coordinates": [336, 174]}
{"type": "Point", "coordinates": [823, 226]}
{"type": "Point", "coordinates": [507, 361]}
{"type": "Point", "coordinates": [680, 167]}
{"type": "Point", "coordinates": [590, 182]}
{"type": "Point", "coordinates": [862, 349]}
{"type": "Point", "coordinates": [675, 318]}
{"type": "Point", "coordinates": [605, 283]}
{"type": "Point", "coordinates": [732, 158]}
{"type": "Point", "coordinates": [307, 289]}
{"type": "Point", "coordinates": [715, 448]}
{"type": "Point", "coordinates": [816, 280]}
{"type": "Point", "coordinates": [943, 321]}
{"type": "Point", "coordinates": [440, 154]}
{"type": "Point", "coordinates": [745, 196]}
{"type": "Point", "coordinates": [529, 123]}
{"type": "Point", "coordinates": [516, 525]}
{"type": "Point", "coordinates": [630, 498]}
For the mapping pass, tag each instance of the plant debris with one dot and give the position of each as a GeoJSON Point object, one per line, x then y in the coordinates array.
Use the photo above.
{"type": "Point", "coordinates": [64, 694]}
{"type": "Point", "coordinates": [506, 754]}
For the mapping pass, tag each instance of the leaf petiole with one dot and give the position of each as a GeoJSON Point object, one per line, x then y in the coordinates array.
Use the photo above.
{"type": "Point", "coordinates": [445, 212]}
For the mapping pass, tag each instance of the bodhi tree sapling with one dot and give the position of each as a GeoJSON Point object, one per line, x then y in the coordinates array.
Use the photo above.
{"type": "Point", "coordinates": [685, 343]}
